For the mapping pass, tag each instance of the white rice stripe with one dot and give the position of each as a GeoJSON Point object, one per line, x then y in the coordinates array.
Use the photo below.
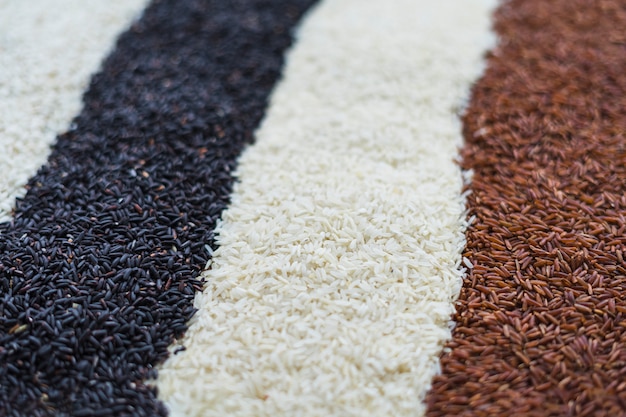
{"type": "Point", "coordinates": [340, 254]}
{"type": "Point", "coordinates": [48, 50]}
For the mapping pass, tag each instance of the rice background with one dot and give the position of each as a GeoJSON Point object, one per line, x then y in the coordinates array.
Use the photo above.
{"type": "Point", "coordinates": [308, 203]}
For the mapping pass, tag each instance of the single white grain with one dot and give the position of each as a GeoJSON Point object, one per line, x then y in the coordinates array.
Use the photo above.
{"type": "Point", "coordinates": [468, 263]}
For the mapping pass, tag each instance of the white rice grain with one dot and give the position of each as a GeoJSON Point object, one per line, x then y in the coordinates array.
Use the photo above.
{"type": "Point", "coordinates": [48, 51]}
{"type": "Point", "coordinates": [340, 255]}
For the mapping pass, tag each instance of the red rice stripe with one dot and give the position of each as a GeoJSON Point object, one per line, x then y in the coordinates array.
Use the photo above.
{"type": "Point", "coordinates": [541, 320]}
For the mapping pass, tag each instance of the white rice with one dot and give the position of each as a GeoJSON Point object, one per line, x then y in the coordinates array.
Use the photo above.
{"type": "Point", "coordinates": [340, 256]}
{"type": "Point", "coordinates": [48, 51]}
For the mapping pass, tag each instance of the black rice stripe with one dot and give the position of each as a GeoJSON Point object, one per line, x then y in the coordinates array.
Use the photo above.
{"type": "Point", "coordinates": [99, 267]}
